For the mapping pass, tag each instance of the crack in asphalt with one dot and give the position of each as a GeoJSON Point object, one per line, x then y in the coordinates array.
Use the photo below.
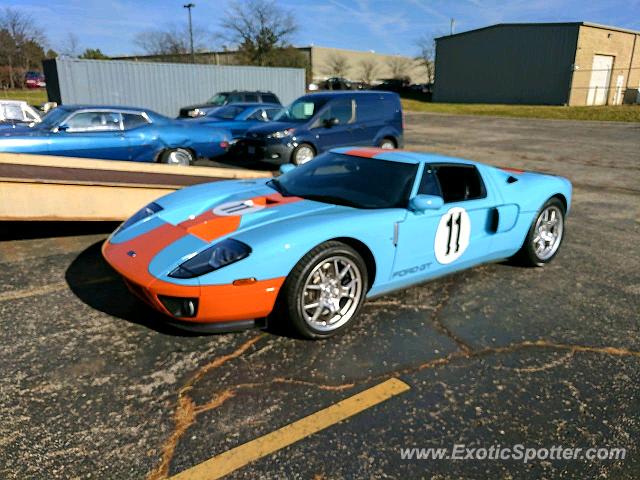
{"type": "Point", "coordinates": [186, 410]}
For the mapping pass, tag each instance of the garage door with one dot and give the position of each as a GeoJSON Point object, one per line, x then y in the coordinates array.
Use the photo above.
{"type": "Point", "coordinates": [600, 80]}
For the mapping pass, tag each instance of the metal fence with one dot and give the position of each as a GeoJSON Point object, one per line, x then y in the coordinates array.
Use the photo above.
{"type": "Point", "coordinates": [163, 87]}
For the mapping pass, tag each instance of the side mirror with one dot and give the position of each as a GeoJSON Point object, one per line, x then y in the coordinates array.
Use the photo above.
{"type": "Point", "coordinates": [421, 203]}
{"type": "Point", "coordinates": [330, 122]}
{"type": "Point", "coordinates": [62, 127]}
{"type": "Point", "coordinates": [286, 167]}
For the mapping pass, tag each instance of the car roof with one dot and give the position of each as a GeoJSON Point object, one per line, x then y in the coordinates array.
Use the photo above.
{"type": "Point", "coordinates": [73, 108]}
{"type": "Point", "coordinates": [349, 92]}
{"type": "Point", "coordinates": [253, 104]}
{"type": "Point", "coordinates": [402, 156]}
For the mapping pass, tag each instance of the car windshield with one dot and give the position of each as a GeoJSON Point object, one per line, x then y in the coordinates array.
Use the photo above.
{"type": "Point", "coordinates": [301, 110]}
{"type": "Point", "coordinates": [228, 112]}
{"type": "Point", "coordinates": [54, 117]}
{"type": "Point", "coordinates": [349, 180]}
{"type": "Point", "coordinates": [218, 99]}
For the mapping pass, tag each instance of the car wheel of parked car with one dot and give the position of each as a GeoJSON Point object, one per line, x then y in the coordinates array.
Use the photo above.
{"type": "Point", "coordinates": [325, 290]}
{"type": "Point", "coordinates": [177, 156]}
{"type": "Point", "coordinates": [387, 144]}
{"type": "Point", "coordinates": [302, 154]}
{"type": "Point", "coordinates": [545, 235]}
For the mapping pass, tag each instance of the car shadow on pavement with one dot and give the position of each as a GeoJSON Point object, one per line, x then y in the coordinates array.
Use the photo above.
{"type": "Point", "coordinates": [97, 285]}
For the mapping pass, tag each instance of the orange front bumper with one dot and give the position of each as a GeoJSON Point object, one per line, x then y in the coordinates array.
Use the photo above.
{"type": "Point", "coordinates": [216, 303]}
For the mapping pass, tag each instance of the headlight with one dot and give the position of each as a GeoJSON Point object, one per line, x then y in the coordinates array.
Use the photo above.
{"type": "Point", "coordinates": [141, 214]}
{"type": "Point", "coordinates": [282, 133]}
{"type": "Point", "coordinates": [217, 256]}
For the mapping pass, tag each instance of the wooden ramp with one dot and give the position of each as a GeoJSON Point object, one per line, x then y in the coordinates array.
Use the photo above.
{"type": "Point", "coordinates": [43, 187]}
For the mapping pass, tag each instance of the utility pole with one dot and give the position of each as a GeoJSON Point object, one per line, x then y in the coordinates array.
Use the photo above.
{"type": "Point", "coordinates": [189, 6]}
{"type": "Point", "coordinates": [453, 24]}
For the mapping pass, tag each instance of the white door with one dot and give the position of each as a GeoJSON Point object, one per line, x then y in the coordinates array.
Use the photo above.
{"type": "Point", "coordinates": [600, 80]}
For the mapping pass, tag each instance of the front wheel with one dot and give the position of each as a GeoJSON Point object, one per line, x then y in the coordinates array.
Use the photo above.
{"type": "Point", "coordinates": [387, 144]}
{"type": "Point", "coordinates": [177, 156]}
{"type": "Point", "coordinates": [325, 290]}
{"type": "Point", "coordinates": [545, 235]}
{"type": "Point", "coordinates": [302, 154]}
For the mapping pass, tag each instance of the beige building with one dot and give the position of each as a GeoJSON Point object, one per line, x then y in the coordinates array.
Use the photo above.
{"type": "Point", "coordinates": [539, 63]}
{"type": "Point", "coordinates": [357, 65]}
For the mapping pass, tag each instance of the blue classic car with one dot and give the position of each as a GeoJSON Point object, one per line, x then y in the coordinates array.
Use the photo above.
{"type": "Point", "coordinates": [117, 133]}
{"type": "Point", "coordinates": [239, 117]}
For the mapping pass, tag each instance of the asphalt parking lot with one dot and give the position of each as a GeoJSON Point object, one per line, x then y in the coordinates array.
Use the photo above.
{"type": "Point", "coordinates": [92, 385]}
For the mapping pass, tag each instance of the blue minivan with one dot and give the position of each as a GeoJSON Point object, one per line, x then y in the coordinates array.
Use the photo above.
{"type": "Point", "coordinates": [318, 122]}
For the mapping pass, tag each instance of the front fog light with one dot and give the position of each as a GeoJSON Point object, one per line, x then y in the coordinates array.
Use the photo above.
{"type": "Point", "coordinates": [180, 307]}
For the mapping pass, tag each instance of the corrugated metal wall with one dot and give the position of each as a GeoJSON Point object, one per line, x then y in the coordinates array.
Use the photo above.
{"type": "Point", "coordinates": [163, 87]}
{"type": "Point", "coordinates": [529, 64]}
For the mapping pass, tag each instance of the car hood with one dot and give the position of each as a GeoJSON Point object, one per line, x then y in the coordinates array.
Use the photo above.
{"type": "Point", "coordinates": [271, 127]}
{"type": "Point", "coordinates": [202, 215]}
{"type": "Point", "coordinates": [21, 130]}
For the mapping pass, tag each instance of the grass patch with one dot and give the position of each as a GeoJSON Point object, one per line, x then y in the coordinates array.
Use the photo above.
{"type": "Point", "coordinates": [33, 96]}
{"type": "Point", "coordinates": [618, 113]}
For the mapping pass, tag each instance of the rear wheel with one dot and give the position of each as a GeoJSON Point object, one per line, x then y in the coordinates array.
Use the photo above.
{"type": "Point", "coordinates": [302, 154]}
{"type": "Point", "coordinates": [177, 156]}
{"type": "Point", "coordinates": [545, 235]}
{"type": "Point", "coordinates": [325, 290]}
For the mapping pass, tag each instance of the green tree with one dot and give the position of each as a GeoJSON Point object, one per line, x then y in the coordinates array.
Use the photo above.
{"type": "Point", "coordinates": [94, 54]}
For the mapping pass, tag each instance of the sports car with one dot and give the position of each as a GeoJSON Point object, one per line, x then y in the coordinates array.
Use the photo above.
{"type": "Point", "coordinates": [239, 117]}
{"type": "Point", "coordinates": [116, 133]}
{"type": "Point", "coordinates": [309, 246]}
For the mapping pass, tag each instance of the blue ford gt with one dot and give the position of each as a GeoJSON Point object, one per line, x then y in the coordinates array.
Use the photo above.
{"type": "Point", "coordinates": [116, 133]}
{"type": "Point", "coordinates": [309, 246]}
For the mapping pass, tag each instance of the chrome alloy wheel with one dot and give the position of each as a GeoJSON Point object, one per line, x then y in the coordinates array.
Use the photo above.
{"type": "Point", "coordinates": [548, 232]}
{"type": "Point", "coordinates": [303, 155]}
{"type": "Point", "coordinates": [178, 157]}
{"type": "Point", "coordinates": [331, 293]}
{"type": "Point", "coordinates": [387, 144]}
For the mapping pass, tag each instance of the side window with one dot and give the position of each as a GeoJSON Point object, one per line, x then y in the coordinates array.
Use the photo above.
{"type": "Point", "coordinates": [272, 112]}
{"type": "Point", "coordinates": [251, 97]}
{"type": "Point", "coordinates": [460, 183]}
{"type": "Point", "coordinates": [269, 98]}
{"type": "Point", "coordinates": [342, 109]}
{"type": "Point", "coordinates": [13, 112]}
{"type": "Point", "coordinates": [94, 122]}
{"type": "Point", "coordinates": [429, 183]}
{"type": "Point", "coordinates": [234, 97]}
{"type": "Point", "coordinates": [258, 115]}
{"type": "Point", "coordinates": [133, 120]}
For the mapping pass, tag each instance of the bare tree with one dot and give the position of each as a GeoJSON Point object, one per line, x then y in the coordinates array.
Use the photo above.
{"type": "Point", "coordinates": [336, 65]}
{"type": "Point", "coordinates": [20, 43]}
{"type": "Point", "coordinates": [368, 70]}
{"type": "Point", "coordinates": [427, 57]}
{"type": "Point", "coordinates": [71, 45]}
{"type": "Point", "coordinates": [171, 40]}
{"type": "Point", "coordinates": [399, 67]}
{"type": "Point", "coordinates": [259, 29]}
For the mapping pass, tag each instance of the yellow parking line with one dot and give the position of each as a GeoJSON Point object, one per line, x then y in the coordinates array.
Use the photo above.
{"type": "Point", "coordinates": [240, 456]}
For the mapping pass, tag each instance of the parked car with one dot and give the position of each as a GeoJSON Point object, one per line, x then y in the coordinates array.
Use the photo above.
{"type": "Point", "coordinates": [116, 133]}
{"type": "Point", "coordinates": [336, 83]}
{"type": "Point", "coordinates": [239, 117]}
{"type": "Point", "coordinates": [224, 98]}
{"type": "Point", "coordinates": [34, 80]}
{"type": "Point", "coordinates": [317, 122]}
{"type": "Point", "coordinates": [18, 112]}
{"type": "Point", "coordinates": [321, 238]}
{"type": "Point", "coordinates": [398, 85]}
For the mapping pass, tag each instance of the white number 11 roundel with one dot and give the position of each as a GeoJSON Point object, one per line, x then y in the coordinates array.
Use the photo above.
{"type": "Point", "coordinates": [452, 237]}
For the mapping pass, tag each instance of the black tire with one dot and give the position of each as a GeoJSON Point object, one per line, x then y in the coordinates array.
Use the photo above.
{"type": "Point", "coordinates": [293, 290]}
{"type": "Point", "coordinates": [177, 156]}
{"type": "Point", "coordinates": [301, 149]}
{"type": "Point", "coordinates": [527, 255]}
{"type": "Point", "coordinates": [387, 143]}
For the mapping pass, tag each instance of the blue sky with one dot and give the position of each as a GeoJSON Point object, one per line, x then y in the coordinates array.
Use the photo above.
{"type": "Point", "coordinates": [386, 26]}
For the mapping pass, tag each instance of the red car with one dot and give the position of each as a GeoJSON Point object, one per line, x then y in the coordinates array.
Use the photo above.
{"type": "Point", "coordinates": [34, 80]}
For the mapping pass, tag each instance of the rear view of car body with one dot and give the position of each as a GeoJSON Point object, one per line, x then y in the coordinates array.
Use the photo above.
{"type": "Point", "coordinates": [364, 118]}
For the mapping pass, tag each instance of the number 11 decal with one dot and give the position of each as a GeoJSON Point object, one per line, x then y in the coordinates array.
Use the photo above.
{"type": "Point", "coordinates": [452, 236]}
